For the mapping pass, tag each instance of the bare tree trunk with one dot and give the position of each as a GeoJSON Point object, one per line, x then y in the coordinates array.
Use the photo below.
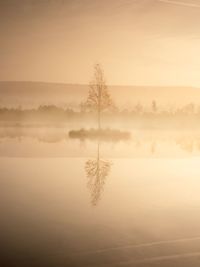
{"type": "Point", "coordinates": [99, 119]}
{"type": "Point", "coordinates": [99, 108]}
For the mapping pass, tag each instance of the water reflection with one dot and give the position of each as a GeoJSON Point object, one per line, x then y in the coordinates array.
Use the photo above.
{"type": "Point", "coordinates": [138, 224]}
{"type": "Point", "coordinates": [97, 170]}
{"type": "Point", "coordinates": [55, 142]}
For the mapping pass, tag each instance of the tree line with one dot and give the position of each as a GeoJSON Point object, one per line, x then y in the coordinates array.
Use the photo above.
{"type": "Point", "coordinates": [99, 104]}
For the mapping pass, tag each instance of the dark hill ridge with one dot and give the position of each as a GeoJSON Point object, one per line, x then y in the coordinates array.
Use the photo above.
{"type": "Point", "coordinates": [31, 94]}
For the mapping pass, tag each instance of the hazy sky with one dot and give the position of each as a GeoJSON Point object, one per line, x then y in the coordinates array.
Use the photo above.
{"type": "Point", "coordinates": [137, 41]}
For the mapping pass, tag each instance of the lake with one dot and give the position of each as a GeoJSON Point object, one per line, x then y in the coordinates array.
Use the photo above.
{"type": "Point", "coordinates": [97, 203]}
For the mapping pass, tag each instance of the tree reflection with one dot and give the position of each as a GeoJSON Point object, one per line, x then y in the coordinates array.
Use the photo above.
{"type": "Point", "coordinates": [97, 171]}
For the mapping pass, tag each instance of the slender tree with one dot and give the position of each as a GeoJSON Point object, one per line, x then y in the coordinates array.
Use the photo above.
{"type": "Point", "coordinates": [154, 106]}
{"type": "Point", "coordinates": [99, 98]}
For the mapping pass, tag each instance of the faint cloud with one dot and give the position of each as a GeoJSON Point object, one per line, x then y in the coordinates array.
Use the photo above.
{"type": "Point", "coordinates": [180, 3]}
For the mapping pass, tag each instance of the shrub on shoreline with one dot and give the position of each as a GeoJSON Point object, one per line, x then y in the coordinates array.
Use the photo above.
{"type": "Point", "coordinates": [106, 134]}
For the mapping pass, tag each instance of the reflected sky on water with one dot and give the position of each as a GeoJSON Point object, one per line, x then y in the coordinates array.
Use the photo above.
{"type": "Point", "coordinates": [95, 203]}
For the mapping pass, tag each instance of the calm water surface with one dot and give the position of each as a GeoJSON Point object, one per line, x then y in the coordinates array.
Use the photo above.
{"type": "Point", "coordinates": [94, 203]}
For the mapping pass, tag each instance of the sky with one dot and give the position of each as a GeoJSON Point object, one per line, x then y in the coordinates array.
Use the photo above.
{"type": "Point", "coordinates": [137, 42]}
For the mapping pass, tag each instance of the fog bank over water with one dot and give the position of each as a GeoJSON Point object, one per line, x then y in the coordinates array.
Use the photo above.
{"type": "Point", "coordinates": [100, 133]}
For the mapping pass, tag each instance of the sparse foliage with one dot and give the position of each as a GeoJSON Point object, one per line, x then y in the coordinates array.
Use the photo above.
{"type": "Point", "coordinates": [99, 98]}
